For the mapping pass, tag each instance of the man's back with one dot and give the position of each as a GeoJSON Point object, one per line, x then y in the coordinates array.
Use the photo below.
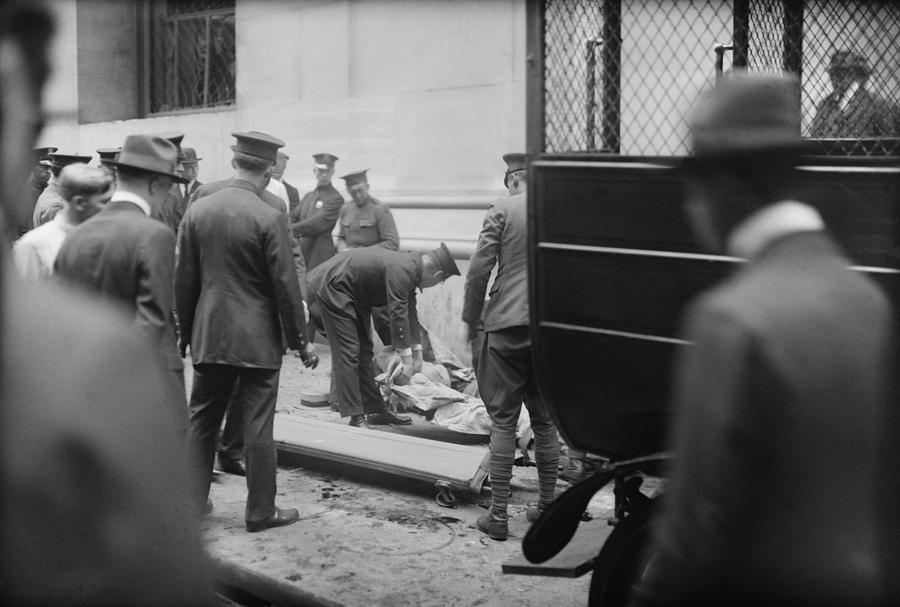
{"type": "Point", "coordinates": [126, 257]}
{"type": "Point", "coordinates": [235, 281]}
{"type": "Point", "coordinates": [787, 384]}
{"type": "Point", "coordinates": [94, 474]}
{"type": "Point", "coordinates": [502, 242]}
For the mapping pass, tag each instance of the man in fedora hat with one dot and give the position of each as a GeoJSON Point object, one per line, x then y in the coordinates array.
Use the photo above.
{"type": "Point", "coordinates": [126, 256]}
{"type": "Point", "coordinates": [238, 302]}
{"type": "Point", "coordinates": [851, 110]}
{"type": "Point", "coordinates": [50, 202]}
{"type": "Point", "coordinates": [190, 166]}
{"type": "Point", "coordinates": [345, 288]}
{"type": "Point", "coordinates": [505, 372]}
{"type": "Point", "coordinates": [317, 212]}
{"type": "Point", "coordinates": [781, 400]}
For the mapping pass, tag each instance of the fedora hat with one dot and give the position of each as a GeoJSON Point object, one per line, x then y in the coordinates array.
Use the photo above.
{"type": "Point", "coordinates": [151, 154]}
{"type": "Point", "coordinates": [190, 156]}
{"type": "Point", "coordinates": [747, 114]}
{"type": "Point", "coordinates": [849, 61]}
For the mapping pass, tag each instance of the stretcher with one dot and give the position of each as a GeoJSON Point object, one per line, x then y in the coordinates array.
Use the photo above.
{"type": "Point", "coordinates": [453, 469]}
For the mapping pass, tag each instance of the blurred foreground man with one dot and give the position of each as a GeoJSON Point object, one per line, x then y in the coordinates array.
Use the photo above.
{"type": "Point", "coordinates": [94, 502]}
{"type": "Point", "coordinates": [85, 190]}
{"type": "Point", "coordinates": [346, 288]}
{"type": "Point", "coordinates": [317, 212]}
{"type": "Point", "coordinates": [505, 372]}
{"type": "Point", "coordinates": [782, 402]}
{"type": "Point", "coordinates": [236, 290]}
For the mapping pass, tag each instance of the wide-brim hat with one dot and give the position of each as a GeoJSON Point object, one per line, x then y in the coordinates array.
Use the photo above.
{"type": "Point", "coordinates": [445, 261]}
{"type": "Point", "coordinates": [849, 61]}
{"type": "Point", "coordinates": [190, 156]}
{"type": "Point", "coordinates": [151, 154]}
{"type": "Point", "coordinates": [747, 114]}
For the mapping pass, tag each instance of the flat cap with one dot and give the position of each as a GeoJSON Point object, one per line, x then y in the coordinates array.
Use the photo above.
{"type": "Point", "coordinates": [62, 160]}
{"type": "Point", "coordinates": [352, 179]}
{"type": "Point", "coordinates": [445, 261]}
{"type": "Point", "coordinates": [325, 160]}
{"type": "Point", "coordinates": [43, 155]}
{"type": "Point", "coordinates": [107, 154]}
{"type": "Point", "coordinates": [258, 145]}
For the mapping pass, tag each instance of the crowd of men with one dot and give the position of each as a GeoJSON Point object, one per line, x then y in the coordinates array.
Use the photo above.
{"type": "Point", "coordinates": [792, 368]}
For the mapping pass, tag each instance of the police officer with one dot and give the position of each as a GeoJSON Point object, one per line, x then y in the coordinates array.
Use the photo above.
{"type": "Point", "coordinates": [314, 218]}
{"type": "Point", "coordinates": [364, 220]}
{"type": "Point", "coordinates": [346, 287]}
{"type": "Point", "coordinates": [37, 182]}
{"type": "Point", "coordinates": [50, 202]}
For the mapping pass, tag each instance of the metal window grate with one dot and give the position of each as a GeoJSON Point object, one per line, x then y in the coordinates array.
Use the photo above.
{"type": "Point", "coordinates": [619, 75]}
{"type": "Point", "coordinates": [192, 55]}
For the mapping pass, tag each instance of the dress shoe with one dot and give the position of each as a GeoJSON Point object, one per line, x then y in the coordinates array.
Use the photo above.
{"type": "Point", "coordinates": [358, 421]}
{"type": "Point", "coordinates": [279, 519]}
{"type": "Point", "coordinates": [232, 465]}
{"type": "Point", "coordinates": [495, 528]}
{"type": "Point", "coordinates": [388, 417]}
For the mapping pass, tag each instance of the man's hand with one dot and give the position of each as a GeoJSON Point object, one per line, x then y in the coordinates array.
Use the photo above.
{"type": "Point", "coordinates": [417, 359]}
{"type": "Point", "coordinates": [308, 356]}
{"type": "Point", "coordinates": [470, 332]}
{"type": "Point", "coordinates": [406, 373]}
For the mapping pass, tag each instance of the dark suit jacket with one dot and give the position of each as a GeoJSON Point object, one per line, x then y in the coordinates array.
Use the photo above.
{"type": "Point", "coordinates": [781, 405]}
{"type": "Point", "coordinates": [170, 210]}
{"type": "Point", "coordinates": [368, 277]}
{"type": "Point", "coordinates": [127, 257]}
{"type": "Point", "coordinates": [276, 203]}
{"type": "Point", "coordinates": [313, 222]}
{"type": "Point", "coordinates": [293, 196]}
{"type": "Point", "coordinates": [234, 281]}
{"type": "Point", "coordinates": [503, 242]}
{"type": "Point", "coordinates": [94, 478]}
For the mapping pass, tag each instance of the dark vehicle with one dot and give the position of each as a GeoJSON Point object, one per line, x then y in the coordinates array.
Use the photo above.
{"type": "Point", "coordinates": [613, 259]}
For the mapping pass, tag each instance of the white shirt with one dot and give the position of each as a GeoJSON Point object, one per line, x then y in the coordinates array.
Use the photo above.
{"type": "Point", "coordinates": [35, 252]}
{"type": "Point", "coordinates": [121, 196]}
{"type": "Point", "coordinates": [771, 222]}
{"type": "Point", "coordinates": [277, 188]}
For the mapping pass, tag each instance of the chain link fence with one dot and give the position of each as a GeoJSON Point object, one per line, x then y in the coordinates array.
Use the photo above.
{"type": "Point", "coordinates": [192, 55]}
{"type": "Point", "coordinates": [620, 75]}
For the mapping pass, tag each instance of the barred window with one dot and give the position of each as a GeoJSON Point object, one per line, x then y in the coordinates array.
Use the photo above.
{"type": "Point", "coordinates": [192, 55]}
{"type": "Point", "coordinates": [620, 75]}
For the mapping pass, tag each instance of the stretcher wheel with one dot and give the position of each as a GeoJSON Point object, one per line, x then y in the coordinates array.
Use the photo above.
{"type": "Point", "coordinates": [444, 495]}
